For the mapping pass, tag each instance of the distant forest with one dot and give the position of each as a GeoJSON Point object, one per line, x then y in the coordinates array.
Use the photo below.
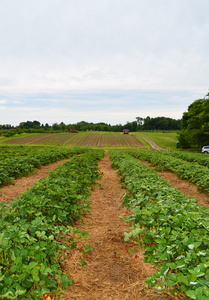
{"type": "Point", "coordinates": [141, 124]}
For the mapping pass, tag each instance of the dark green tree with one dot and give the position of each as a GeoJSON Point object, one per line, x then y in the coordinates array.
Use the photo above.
{"type": "Point", "coordinates": [195, 124]}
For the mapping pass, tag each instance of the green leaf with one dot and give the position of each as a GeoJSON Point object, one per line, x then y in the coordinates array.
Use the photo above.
{"type": "Point", "coordinates": [171, 265]}
{"type": "Point", "coordinates": [66, 281]}
{"type": "Point", "coordinates": [8, 281]}
{"type": "Point", "coordinates": [20, 292]}
{"type": "Point", "coordinates": [18, 261]}
{"type": "Point", "coordinates": [206, 291]}
{"type": "Point", "coordinates": [73, 245]}
{"type": "Point", "coordinates": [191, 294]}
{"type": "Point", "coordinates": [32, 265]}
{"type": "Point", "coordinates": [51, 284]}
{"type": "Point", "coordinates": [183, 279]}
{"type": "Point", "coordinates": [8, 294]}
{"type": "Point", "coordinates": [206, 265]}
{"type": "Point", "coordinates": [150, 281]}
{"type": "Point", "coordinates": [83, 263]}
{"type": "Point", "coordinates": [170, 282]}
{"type": "Point", "coordinates": [131, 250]}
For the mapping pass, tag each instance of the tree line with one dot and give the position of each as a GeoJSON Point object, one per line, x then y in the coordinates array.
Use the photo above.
{"type": "Point", "coordinates": [141, 124]}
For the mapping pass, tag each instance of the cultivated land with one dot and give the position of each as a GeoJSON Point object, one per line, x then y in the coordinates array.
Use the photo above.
{"type": "Point", "coordinates": [105, 140]}
{"type": "Point", "coordinates": [90, 139]}
{"type": "Point", "coordinates": [114, 269]}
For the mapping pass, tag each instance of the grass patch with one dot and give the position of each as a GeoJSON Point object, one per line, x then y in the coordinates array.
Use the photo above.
{"type": "Point", "coordinates": [162, 139]}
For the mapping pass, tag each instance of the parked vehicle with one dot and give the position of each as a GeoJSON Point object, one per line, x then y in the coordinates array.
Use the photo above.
{"type": "Point", "coordinates": [126, 131]}
{"type": "Point", "coordinates": [205, 149]}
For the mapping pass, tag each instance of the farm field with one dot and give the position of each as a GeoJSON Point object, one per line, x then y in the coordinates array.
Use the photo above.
{"type": "Point", "coordinates": [105, 263]}
{"type": "Point", "coordinates": [90, 139]}
{"type": "Point", "coordinates": [172, 228]}
{"type": "Point", "coordinates": [35, 228]}
{"type": "Point", "coordinates": [105, 229]}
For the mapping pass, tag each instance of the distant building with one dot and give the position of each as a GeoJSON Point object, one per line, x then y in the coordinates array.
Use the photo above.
{"type": "Point", "coordinates": [125, 131]}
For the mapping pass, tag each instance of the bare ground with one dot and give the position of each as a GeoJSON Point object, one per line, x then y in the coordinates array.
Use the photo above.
{"type": "Point", "coordinates": [152, 144]}
{"type": "Point", "coordinates": [112, 272]}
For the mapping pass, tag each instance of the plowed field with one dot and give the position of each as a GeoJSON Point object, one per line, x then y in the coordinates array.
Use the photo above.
{"type": "Point", "coordinates": [90, 139]}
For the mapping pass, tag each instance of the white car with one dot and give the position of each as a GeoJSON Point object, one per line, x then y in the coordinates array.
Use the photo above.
{"type": "Point", "coordinates": [205, 149]}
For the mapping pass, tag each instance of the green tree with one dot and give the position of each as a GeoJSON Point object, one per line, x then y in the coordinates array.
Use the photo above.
{"type": "Point", "coordinates": [195, 124]}
{"type": "Point", "coordinates": [55, 126]}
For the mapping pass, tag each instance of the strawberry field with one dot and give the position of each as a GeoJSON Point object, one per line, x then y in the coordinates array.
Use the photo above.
{"type": "Point", "coordinates": [172, 228]}
{"type": "Point", "coordinates": [38, 228]}
{"type": "Point", "coordinates": [19, 161]}
{"type": "Point", "coordinates": [191, 167]}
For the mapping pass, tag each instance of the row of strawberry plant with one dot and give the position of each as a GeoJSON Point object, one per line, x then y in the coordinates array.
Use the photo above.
{"type": "Point", "coordinates": [192, 157]}
{"type": "Point", "coordinates": [13, 168]}
{"type": "Point", "coordinates": [191, 171]}
{"type": "Point", "coordinates": [38, 226]}
{"type": "Point", "coordinates": [174, 230]}
{"type": "Point", "coordinates": [10, 151]}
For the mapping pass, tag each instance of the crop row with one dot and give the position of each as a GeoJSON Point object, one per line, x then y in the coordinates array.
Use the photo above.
{"type": "Point", "coordinates": [16, 167]}
{"type": "Point", "coordinates": [174, 230]}
{"type": "Point", "coordinates": [37, 226]}
{"type": "Point", "coordinates": [11, 151]}
{"type": "Point", "coordinates": [191, 171]}
{"type": "Point", "coordinates": [192, 157]}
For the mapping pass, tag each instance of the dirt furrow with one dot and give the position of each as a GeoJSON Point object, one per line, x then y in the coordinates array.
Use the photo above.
{"type": "Point", "coordinates": [115, 269]}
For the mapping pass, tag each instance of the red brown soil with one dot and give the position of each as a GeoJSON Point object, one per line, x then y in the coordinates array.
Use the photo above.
{"type": "Point", "coordinates": [112, 272]}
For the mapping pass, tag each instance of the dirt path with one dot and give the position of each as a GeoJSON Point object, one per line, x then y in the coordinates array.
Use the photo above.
{"type": "Point", "coordinates": [152, 144]}
{"type": "Point", "coordinates": [112, 272]}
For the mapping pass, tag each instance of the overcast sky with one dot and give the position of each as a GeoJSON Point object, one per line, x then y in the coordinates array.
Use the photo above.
{"type": "Point", "coordinates": [101, 60]}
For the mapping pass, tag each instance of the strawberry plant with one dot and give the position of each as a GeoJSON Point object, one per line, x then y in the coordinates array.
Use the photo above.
{"type": "Point", "coordinates": [192, 157]}
{"type": "Point", "coordinates": [173, 229]}
{"type": "Point", "coordinates": [18, 166]}
{"type": "Point", "coordinates": [38, 225]}
{"type": "Point", "coordinates": [191, 171]}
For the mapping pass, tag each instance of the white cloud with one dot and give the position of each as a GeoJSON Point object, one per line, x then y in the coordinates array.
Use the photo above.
{"type": "Point", "coordinates": [62, 46]}
{"type": "Point", "coordinates": [3, 101]}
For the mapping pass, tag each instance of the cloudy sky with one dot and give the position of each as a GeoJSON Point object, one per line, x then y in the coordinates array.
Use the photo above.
{"type": "Point", "coordinates": [101, 60]}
